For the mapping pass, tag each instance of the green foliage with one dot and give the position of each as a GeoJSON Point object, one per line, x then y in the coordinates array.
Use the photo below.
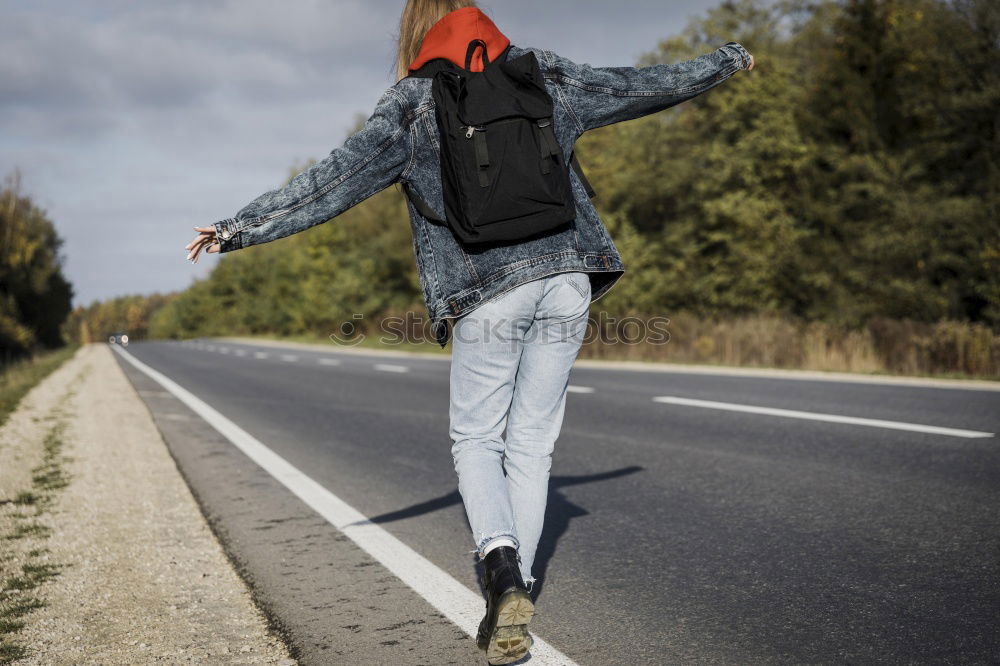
{"type": "Point", "coordinates": [34, 296]}
{"type": "Point", "coordinates": [851, 175]}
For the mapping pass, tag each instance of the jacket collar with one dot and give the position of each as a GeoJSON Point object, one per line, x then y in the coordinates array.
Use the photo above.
{"type": "Point", "coordinates": [449, 38]}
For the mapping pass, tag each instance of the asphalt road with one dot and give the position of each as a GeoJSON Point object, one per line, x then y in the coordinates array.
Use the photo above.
{"type": "Point", "coordinates": [674, 533]}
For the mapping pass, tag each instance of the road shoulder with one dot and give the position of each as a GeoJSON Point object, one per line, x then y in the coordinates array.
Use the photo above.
{"type": "Point", "coordinates": [124, 566]}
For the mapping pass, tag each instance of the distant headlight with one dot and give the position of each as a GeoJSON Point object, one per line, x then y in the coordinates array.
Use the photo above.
{"type": "Point", "coordinates": [124, 339]}
{"type": "Point", "coordinates": [111, 340]}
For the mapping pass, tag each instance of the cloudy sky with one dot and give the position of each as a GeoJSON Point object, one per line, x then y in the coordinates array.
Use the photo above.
{"type": "Point", "coordinates": [132, 121]}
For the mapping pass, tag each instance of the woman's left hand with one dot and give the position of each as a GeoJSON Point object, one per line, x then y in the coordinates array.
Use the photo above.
{"type": "Point", "coordinates": [205, 240]}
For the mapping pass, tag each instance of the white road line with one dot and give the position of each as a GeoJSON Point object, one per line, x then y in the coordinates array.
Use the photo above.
{"type": "Point", "coordinates": [260, 354]}
{"type": "Point", "coordinates": [329, 361]}
{"type": "Point", "coordinates": [388, 367]}
{"type": "Point", "coordinates": [291, 358]}
{"type": "Point", "coordinates": [240, 352]}
{"type": "Point", "coordinates": [818, 416]}
{"type": "Point", "coordinates": [223, 350]}
{"type": "Point", "coordinates": [579, 389]}
{"type": "Point", "coordinates": [454, 600]}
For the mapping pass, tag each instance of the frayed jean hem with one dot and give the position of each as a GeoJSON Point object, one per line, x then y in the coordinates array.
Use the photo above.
{"type": "Point", "coordinates": [486, 540]}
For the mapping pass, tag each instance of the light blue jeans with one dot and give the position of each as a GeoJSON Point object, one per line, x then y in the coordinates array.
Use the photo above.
{"type": "Point", "coordinates": [510, 365]}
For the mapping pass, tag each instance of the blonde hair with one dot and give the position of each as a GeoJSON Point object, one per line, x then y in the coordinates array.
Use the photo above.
{"type": "Point", "coordinates": [418, 17]}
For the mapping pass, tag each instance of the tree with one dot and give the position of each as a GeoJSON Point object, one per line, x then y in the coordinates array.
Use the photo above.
{"type": "Point", "coordinates": [35, 298]}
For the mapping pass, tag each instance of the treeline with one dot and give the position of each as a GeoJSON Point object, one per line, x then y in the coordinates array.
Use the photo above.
{"type": "Point", "coordinates": [127, 314]}
{"type": "Point", "coordinates": [35, 297]}
{"type": "Point", "coordinates": [837, 206]}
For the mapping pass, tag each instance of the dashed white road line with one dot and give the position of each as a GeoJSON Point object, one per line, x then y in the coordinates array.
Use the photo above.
{"type": "Point", "coordinates": [240, 352]}
{"type": "Point", "coordinates": [223, 350]}
{"type": "Point", "coordinates": [389, 367]}
{"type": "Point", "coordinates": [291, 358]}
{"type": "Point", "coordinates": [260, 354]}
{"type": "Point", "coordinates": [818, 416]}
{"type": "Point", "coordinates": [454, 600]}
{"type": "Point", "coordinates": [579, 389]}
{"type": "Point", "coordinates": [329, 361]}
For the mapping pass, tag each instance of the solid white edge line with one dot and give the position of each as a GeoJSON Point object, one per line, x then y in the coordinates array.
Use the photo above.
{"type": "Point", "coordinates": [818, 416]}
{"type": "Point", "coordinates": [455, 601]}
{"type": "Point", "coordinates": [389, 367]}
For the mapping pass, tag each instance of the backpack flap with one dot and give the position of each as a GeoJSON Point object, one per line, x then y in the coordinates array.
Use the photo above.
{"type": "Point", "coordinates": [512, 89]}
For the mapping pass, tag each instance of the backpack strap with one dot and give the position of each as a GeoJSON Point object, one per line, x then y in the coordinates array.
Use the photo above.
{"type": "Point", "coordinates": [473, 45]}
{"type": "Point", "coordinates": [575, 163]}
{"type": "Point", "coordinates": [548, 145]}
{"type": "Point", "coordinates": [422, 206]}
{"type": "Point", "coordinates": [482, 157]}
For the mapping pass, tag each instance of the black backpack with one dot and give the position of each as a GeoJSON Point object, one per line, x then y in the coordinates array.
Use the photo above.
{"type": "Point", "coordinates": [504, 175]}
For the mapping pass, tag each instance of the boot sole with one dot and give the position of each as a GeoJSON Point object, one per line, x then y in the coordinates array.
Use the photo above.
{"type": "Point", "coordinates": [510, 640]}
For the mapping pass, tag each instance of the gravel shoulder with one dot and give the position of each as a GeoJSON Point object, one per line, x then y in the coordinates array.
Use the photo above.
{"type": "Point", "coordinates": [105, 556]}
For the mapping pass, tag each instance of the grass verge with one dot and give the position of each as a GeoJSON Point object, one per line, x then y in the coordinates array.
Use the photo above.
{"type": "Point", "coordinates": [20, 377]}
{"type": "Point", "coordinates": [26, 563]}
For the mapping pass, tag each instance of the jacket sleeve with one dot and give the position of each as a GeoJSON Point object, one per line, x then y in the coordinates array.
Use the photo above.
{"type": "Point", "coordinates": [368, 162]}
{"type": "Point", "coordinates": [599, 96]}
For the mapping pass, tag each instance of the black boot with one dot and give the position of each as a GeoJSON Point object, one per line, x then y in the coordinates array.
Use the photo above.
{"type": "Point", "coordinates": [503, 633]}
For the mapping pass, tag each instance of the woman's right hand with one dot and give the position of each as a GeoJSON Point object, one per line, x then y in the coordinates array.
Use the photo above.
{"type": "Point", "coordinates": [205, 240]}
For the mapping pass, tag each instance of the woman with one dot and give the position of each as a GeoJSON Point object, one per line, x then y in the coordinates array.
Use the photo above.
{"type": "Point", "coordinates": [518, 311]}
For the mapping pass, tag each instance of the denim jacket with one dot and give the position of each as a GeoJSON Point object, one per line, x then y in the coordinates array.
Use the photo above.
{"type": "Point", "coordinates": [399, 143]}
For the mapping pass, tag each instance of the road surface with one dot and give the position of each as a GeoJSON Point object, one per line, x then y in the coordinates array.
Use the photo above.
{"type": "Point", "coordinates": [692, 518]}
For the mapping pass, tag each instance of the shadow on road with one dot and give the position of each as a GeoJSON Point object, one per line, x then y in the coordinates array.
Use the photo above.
{"type": "Point", "coordinates": [558, 512]}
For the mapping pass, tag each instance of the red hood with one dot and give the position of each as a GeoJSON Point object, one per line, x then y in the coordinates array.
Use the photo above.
{"type": "Point", "coordinates": [449, 38]}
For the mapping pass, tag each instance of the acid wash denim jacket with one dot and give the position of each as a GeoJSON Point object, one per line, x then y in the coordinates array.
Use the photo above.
{"type": "Point", "coordinates": [400, 143]}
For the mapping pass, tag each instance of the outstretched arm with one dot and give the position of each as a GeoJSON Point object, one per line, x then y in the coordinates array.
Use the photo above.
{"type": "Point", "coordinates": [600, 96]}
{"type": "Point", "coordinates": [368, 162]}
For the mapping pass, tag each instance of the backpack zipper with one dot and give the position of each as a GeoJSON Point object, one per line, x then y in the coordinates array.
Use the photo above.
{"type": "Point", "coordinates": [470, 129]}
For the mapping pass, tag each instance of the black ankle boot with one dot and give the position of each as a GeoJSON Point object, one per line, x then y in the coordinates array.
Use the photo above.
{"type": "Point", "coordinates": [503, 633]}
